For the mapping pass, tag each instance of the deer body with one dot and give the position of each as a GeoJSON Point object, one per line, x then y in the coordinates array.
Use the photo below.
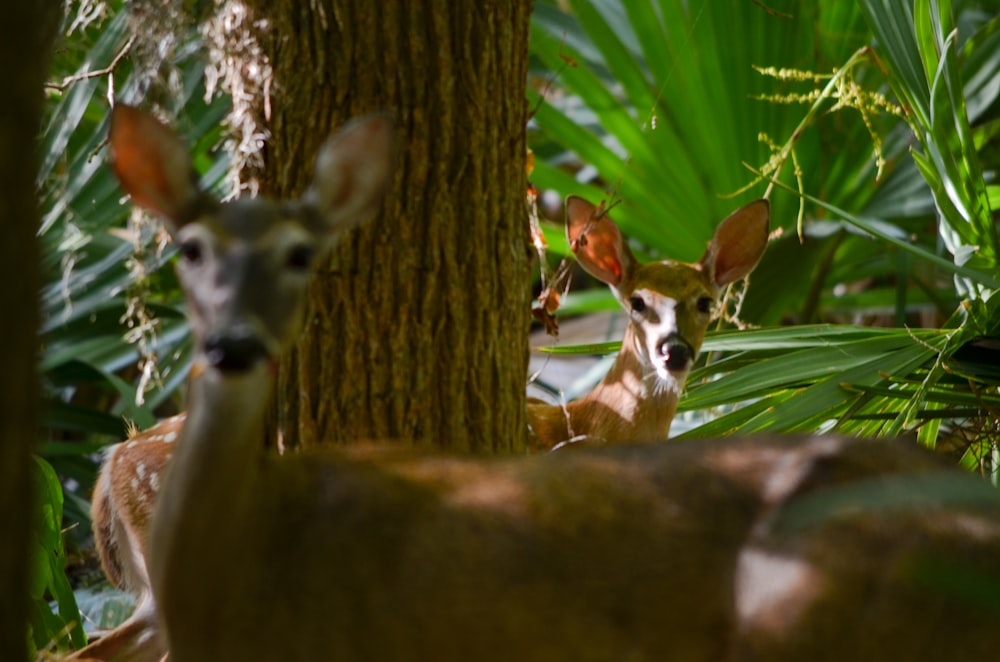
{"type": "Point", "coordinates": [674, 551]}
{"type": "Point", "coordinates": [626, 406]}
{"type": "Point", "coordinates": [366, 550]}
{"type": "Point", "coordinates": [739, 549]}
{"type": "Point", "coordinates": [670, 305]}
{"type": "Point", "coordinates": [126, 489]}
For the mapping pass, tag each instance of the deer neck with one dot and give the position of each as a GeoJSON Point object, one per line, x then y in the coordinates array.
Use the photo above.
{"type": "Point", "coordinates": [214, 468]}
{"type": "Point", "coordinates": [631, 404]}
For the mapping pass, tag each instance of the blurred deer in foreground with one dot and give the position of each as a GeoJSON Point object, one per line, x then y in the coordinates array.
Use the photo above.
{"type": "Point", "coordinates": [670, 305]}
{"type": "Point", "coordinates": [762, 548]}
{"type": "Point", "coordinates": [266, 247]}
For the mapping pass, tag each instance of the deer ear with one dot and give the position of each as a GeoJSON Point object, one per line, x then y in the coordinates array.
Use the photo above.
{"type": "Point", "coordinates": [597, 242]}
{"type": "Point", "coordinates": [152, 163]}
{"type": "Point", "coordinates": [738, 243]}
{"type": "Point", "coordinates": [352, 171]}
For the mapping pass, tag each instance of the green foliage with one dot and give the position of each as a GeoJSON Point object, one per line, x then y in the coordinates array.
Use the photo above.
{"type": "Point", "coordinates": [920, 49]}
{"type": "Point", "coordinates": [669, 121]}
{"type": "Point", "coordinates": [660, 105]}
{"type": "Point", "coordinates": [48, 569]}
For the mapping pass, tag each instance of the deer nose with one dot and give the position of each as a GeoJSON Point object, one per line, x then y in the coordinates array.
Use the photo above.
{"type": "Point", "coordinates": [234, 351]}
{"type": "Point", "coordinates": [675, 353]}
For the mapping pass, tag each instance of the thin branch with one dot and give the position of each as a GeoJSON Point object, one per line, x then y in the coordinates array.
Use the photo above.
{"type": "Point", "coordinates": [108, 70]}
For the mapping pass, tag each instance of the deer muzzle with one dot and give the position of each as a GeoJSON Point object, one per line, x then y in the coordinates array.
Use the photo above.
{"type": "Point", "coordinates": [235, 351]}
{"type": "Point", "coordinates": [675, 353]}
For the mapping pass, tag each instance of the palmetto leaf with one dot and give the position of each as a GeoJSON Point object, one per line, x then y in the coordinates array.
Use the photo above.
{"type": "Point", "coordinates": [815, 363]}
{"type": "Point", "coordinates": [660, 101]}
{"type": "Point", "coordinates": [865, 380]}
{"type": "Point", "coordinates": [919, 45]}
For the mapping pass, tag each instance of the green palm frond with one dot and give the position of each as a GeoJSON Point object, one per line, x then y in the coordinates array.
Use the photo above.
{"type": "Point", "coordinates": [919, 44]}
{"type": "Point", "coordinates": [660, 99]}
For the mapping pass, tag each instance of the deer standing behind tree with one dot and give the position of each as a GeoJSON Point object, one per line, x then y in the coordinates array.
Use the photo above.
{"type": "Point", "coordinates": [762, 548]}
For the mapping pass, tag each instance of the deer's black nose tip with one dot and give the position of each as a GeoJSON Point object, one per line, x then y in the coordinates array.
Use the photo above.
{"type": "Point", "coordinates": [675, 353]}
{"type": "Point", "coordinates": [235, 351]}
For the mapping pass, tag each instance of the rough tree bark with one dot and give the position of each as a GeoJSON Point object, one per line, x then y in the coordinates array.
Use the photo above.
{"type": "Point", "coordinates": [419, 325]}
{"type": "Point", "coordinates": [26, 29]}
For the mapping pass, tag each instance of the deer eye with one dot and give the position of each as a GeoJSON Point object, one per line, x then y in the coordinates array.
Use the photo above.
{"type": "Point", "coordinates": [705, 304]}
{"type": "Point", "coordinates": [638, 304]}
{"type": "Point", "coordinates": [191, 251]}
{"type": "Point", "coordinates": [300, 257]}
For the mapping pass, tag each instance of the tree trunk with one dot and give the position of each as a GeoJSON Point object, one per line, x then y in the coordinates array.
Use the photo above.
{"type": "Point", "coordinates": [26, 29]}
{"type": "Point", "coordinates": [419, 326]}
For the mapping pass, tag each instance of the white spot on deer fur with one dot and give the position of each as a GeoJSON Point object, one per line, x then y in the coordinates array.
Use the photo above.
{"type": "Point", "coordinates": [135, 484]}
{"type": "Point", "coordinates": [131, 444]}
{"type": "Point", "coordinates": [170, 437]}
{"type": "Point", "coordinates": [140, 469]}
{"type": "Point", "coordinates": [490, 493]}
{"type": "Point", "coordinates": [794, 467]}
{"type": "Point", "coordinates": [154, 481]}
{"type": "Point", "coordinates": [773, 591]}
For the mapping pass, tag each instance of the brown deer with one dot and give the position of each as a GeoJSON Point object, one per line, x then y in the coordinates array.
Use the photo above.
{"type": "Point", "coordinates": [121, 509]}
{"type": "Point", "coordinates": [670, 305]}
{"type": "Point", "coordinates": [759, 548]}
{"type": "Point", "coordinates": [351, 171]}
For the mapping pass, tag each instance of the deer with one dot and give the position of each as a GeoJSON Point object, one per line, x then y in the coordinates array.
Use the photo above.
{"type": "Point", "coordinates": [121, 509]}
{"type": "Point", "coordinates": [762, 547]}
{"type": "Point", "coordinates": [132, 472]}
{"type": "Point", "coordinates": [670, 305]}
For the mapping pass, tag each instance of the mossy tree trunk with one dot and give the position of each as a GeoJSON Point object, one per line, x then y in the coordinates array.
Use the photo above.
{"type": "Point", "coordinates": [419, 324]}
